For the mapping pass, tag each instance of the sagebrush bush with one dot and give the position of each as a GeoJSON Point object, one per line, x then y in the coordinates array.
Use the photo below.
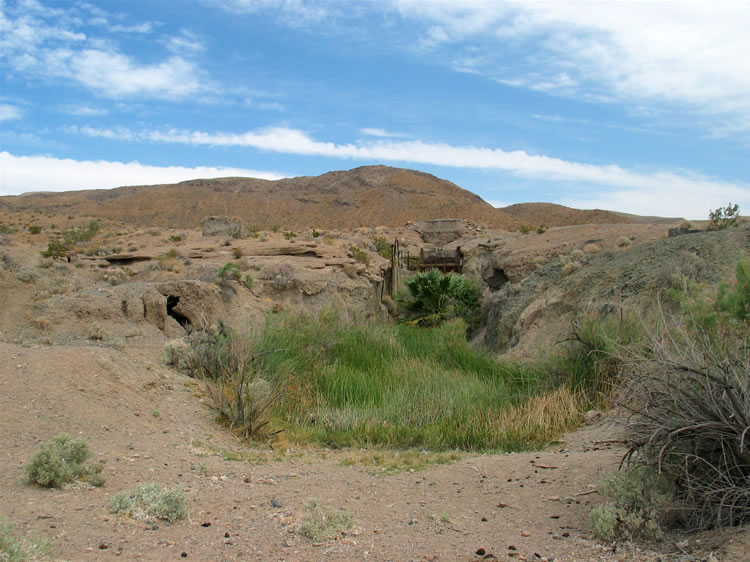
{"type": "Point", "coordinates": [15, 549]}
{"type": "Point", "coordinates": [177, 354]}
{"type": "Point", "coordinates": [151, 500]}
{"type": "Point", "coordinates": [61, 460]}
{"type": "Point", "coordinates": [641, 500]}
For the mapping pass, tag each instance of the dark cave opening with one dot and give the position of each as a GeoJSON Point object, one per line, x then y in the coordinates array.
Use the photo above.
{"type": "Point", "coordinates": [496, 279]}
{"type": "Point", "coordinates": [182, 320]}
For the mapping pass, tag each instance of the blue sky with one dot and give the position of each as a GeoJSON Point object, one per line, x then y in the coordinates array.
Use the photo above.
{"type": "Point", "coordinates": [641, 107]}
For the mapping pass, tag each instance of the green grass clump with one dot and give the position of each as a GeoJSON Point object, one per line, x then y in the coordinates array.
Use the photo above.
{"type": "Point", "coordinates": [61, 460]}
{"type": "Point", "coordinates": [355, 383]}
{"type": "Point", "coordinates": [150, 500]}
{"type": "Point", "coordinates": [14, 549]}
{"type": "Point", "coordinates": [323, 522]}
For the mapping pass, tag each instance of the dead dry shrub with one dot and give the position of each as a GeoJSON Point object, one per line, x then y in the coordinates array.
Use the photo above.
{"type": "Point", "coordinates": [235, 378]}
{"type": "Point", "coordinates": [623, 242]}
{"type": "Point", "coordinates": [689, 398]}
{"type": "Point", "coordinates": [570, 267]}
{"type": "Point", "coordinates": [592, 248]}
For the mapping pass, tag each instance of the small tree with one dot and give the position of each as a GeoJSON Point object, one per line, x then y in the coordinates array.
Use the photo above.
{"type": "Point", "coordinates": [724, 217]}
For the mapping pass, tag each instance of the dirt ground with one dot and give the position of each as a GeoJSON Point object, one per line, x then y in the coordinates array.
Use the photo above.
{"type": "Point", "coordinates": [147, 422]}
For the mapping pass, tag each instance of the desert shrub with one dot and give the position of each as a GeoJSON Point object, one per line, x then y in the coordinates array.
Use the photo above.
{"type": "Point", "coordinates": [177, 354]}
{"type": "Point", "coordinates": [570, 267]}
{"type": "Point", "coordinates": [229, 272]}
{"type": "Point", "coordinates": [690, 401]}
{"type": "Point", "coordinates": [34, 229]}
{"type": "Point", "coordinates": [434, 297]}
{"type": "Point", "coordinates": [315, 233]}
{"type": "Point", "coordinates": [592, 248]}
{"type": "Point", "coordinates": [282, 277]}
{"type": "Point", "coordinates": [61, 460]}
{"type": "Point", "coordinates": [6, 229]}
{"type": "Point", "coordinates": [724, 217]}
{"type": "Point", "coordinates": [641, 502]}
{"type": "Point", "coordinates": [150, 500]}
{"type": "Point", "coordinates": [248, 281]}
{"type": "Point", "coordinates": [55, 249]}
{"type": "Point", "coordinates": [235, 379]}
{"type": "Point", "coordinates": [360, 255]}
{"type": "Point", "coordinates": [175, 238]}
{"type": "Point", "coordinates": [14, 549]}
{"type": "Point", "coordinates": [275, 227]}
{"type": "Point", "coordinates": [541, 229]}
{"type": "Point", "coordinates": [237, 252]}
{"type": "Point", "coordinates": [81, 234]}
{"type": "Point", "coordinates": [26, 275]}
{"type": "Point", "coordinates": [623, 241]}
{"type": "Point", "coordinates": [289, 235]}
{"type": "Point", "coordinates": [525, 228]}
{"type": "Point", "coordinates": [322, 522]}
{"type": "Point", "coordinates": [383, 247]}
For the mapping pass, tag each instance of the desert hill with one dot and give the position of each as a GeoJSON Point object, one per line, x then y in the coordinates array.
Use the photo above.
{"type": "Point", "coordinates": [366, 196]}
{"type": "Point", "coordinates": [551, 214]}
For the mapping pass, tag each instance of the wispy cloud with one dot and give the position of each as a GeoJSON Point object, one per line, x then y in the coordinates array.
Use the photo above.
{"type": "Point", "coordinates": [23, 174]}
{"type": "Point", "coordinates": [293, 12]}
{"type": "Point", "coordinates": [9, 112]}
{"type": "Point", "coordinates": [83, 110]}
{"type": "Point", "coordinates": [687, 53]}
{"type": "Point", "coordinates": [684, 191]}
{"type": "Point", "coordinates": [378, 132]}
{"type": "Point", "coordinates": [145, 27]}
{"type": "Point", "coordinates": [49, 44]}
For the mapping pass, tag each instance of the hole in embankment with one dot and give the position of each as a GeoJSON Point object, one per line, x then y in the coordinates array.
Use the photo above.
{"type": "Point", "coordinates": [496, 279]}
{"type": "Point", "coordinates": [182, 320]}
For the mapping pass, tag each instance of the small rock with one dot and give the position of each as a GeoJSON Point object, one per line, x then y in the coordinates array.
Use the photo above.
{"type": "Point", "coordinates": [525, 534]}
{"type": "Point", "coordinates": [206, 524]}
{"type": "Point", "coordinates": [275, 502]}
{"type": "Point", "coordinates": [480, 552]}
{"type": "Point", "coordinates": [103, 546]}
{"type": "Point", "coordinates": [184, 555]}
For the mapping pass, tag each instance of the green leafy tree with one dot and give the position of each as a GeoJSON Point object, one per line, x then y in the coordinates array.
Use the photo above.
{"type": "Point", "coordinates": [724, 217]}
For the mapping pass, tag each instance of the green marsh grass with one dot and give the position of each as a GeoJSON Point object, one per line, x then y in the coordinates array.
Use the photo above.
{"type": "Point", "coordinates": [351, 383]}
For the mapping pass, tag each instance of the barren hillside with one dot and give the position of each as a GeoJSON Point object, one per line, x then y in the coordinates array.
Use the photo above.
{"type": "Point", "coordinates": [367, 196]}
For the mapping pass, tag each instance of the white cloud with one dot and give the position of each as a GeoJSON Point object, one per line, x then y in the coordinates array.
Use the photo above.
{"type": "Point", "coordinates": [116, 75]}
{"type": "Point", "coordinates": [679, 192]}
{"type": "Point", "coordinates": [293, 12]}
{"type": "Point", "coordinates": [46, 44]}
{"type": "Point", "coordinates": [83, 110]}
{"type": "Point", "coordinates": [378, 132]}
{"type": "Point", "coordinates": [187, 43]}
{"type": "Point", "coordinates": [145, 27]}
{"type": "Point", "coordinates": [9, 112]}
{"type": "Point", "coordinates": [23, 174]}
{"type": "Point", "coordinates": [688, 53]}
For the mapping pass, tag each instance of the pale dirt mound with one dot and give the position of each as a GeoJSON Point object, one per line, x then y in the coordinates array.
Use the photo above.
{"type": "Point", "coordinates": [367, 196]}
{"type": "Point", "coordinates": [551, 214]}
